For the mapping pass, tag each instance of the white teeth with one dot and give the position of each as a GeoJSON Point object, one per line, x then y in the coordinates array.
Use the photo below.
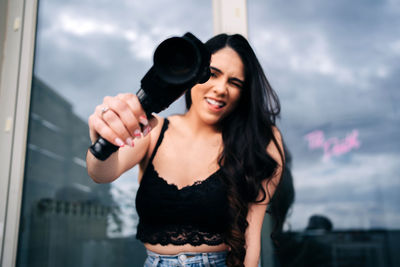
{"type": "Point", "coordinates": [215, 102]}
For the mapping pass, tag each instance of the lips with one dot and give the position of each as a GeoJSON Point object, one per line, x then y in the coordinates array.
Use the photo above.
{"type": "Point", "coordinates": [215, 103]}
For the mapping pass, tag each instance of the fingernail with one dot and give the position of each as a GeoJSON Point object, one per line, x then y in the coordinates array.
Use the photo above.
{"type": "Point", "coordinates": [137, 133]}
{"type": "Point", "coordinates": [129, 141]}
{"type": "Point", "coordinates": [146, 130]}
{"type": "Point", "coordinates": [119, 142]}
{"type": "Point", "coordinates": [143, 120]}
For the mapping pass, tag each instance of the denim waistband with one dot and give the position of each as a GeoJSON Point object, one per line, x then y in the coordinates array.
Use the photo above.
{"type": "Point", "coordinates": [186, 259]}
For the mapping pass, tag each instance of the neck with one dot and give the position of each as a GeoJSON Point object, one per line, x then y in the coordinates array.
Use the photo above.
{"type": "Point", "coordinates": [199, 127]}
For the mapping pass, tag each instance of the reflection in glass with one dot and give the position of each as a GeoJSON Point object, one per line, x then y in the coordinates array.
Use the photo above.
{"type": "Point", "coordinates": [335, 67]}
{"type": "Point", "coordinates": [85, 51]}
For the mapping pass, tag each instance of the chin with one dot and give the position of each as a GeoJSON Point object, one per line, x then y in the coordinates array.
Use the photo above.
{"type": "Point", "coordinates": [212, 119]}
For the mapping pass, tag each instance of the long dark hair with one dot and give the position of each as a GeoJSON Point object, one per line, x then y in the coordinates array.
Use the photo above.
{"type": "Point", "coordinates": [246, 133]}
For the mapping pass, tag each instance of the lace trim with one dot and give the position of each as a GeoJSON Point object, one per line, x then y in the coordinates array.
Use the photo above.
{"type": "Point", "coordinates": [178, 235]}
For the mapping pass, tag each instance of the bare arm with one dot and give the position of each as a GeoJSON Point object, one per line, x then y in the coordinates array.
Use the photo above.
{"type": "Point", "coordinates": [124, 124]}
{"type": "Point", "coordinates": [256, 212]}
{"type": "Point", "coordinates": [119, 162]}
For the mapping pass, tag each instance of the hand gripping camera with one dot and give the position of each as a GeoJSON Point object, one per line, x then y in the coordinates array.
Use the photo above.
{"type": "Point", "coordinates": [178, 64]}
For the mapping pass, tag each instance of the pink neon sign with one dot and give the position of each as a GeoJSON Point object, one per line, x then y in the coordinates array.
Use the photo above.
{"type": "Point", "coordinates": [332, 146]}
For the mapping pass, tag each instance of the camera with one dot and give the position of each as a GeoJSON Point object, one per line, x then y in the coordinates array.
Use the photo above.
{"type": "Point", "coordinates": [178, 64]}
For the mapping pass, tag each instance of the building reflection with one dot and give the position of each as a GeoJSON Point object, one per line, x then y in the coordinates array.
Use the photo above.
{"type": "Point", "coordinates": [350, 248]}
{"type": "Point", "coordinates": [320, 245]}
{"type": "Point", "coordinates": [66, 218]}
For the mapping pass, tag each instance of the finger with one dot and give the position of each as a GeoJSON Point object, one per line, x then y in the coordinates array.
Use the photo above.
{"type": "Point", "coordinates": [113, 121]}
{"type": "Point", "coordinates": [101, 128]}
{"type": "Point", "coordinates": [125, 114]}
{"type": "Point", "coordinates": [136, 107]}
{"type": "Point", "coordinates": [150, 126]}
{"type": "Point", "coordinates": [153, 121]}
{"type": "Point", "coordinates": [92, 132]}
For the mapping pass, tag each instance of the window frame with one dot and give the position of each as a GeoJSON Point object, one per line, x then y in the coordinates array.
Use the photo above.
{"type": "Point", "coordinates": [15, 88]}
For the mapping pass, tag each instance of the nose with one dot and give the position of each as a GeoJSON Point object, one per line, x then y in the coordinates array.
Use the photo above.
{"type": "Point", "coordinates": [220, 87]}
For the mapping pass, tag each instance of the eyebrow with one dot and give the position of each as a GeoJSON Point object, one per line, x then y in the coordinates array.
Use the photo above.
{"type": "Point", "coordinates": [232, 79]}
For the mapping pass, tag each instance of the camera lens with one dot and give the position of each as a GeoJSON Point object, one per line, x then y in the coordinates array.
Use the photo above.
{"type": "Point", "coordinates": [176, 60]}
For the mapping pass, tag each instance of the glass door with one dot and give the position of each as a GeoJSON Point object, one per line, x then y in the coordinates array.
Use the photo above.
{"type": "Point", "coordinates": [86, 50]}
{"type": "Point", "coordinates": [335, 66]}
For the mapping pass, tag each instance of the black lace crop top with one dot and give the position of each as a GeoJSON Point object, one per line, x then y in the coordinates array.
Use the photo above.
{"type": "Point", "coordinates": [195, 214]}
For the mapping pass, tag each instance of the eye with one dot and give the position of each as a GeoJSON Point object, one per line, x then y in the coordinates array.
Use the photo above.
{"type": "Point", "coordinates": [213, 74]}
{"type": "Point", "coordinates": [237, 84]}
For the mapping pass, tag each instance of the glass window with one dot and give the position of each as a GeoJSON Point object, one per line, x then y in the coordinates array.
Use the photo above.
{"type": "Point", "coordinates": [86, 50]}
{"type": "Point", "coordinates": [335, 66]}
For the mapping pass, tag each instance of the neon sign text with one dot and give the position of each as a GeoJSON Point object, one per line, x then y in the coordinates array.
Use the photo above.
{"type": "Point", "coordinates": [333, 146]}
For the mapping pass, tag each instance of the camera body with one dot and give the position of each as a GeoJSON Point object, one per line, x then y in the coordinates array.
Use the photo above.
{"type": "Point", "coordinates": [179, 63]}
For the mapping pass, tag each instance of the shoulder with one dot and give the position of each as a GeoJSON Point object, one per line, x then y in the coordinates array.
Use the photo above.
{"type": "Point", "coordinates": [155, 132]}
{"type": "Point", "coordinates": [177, 126]}
{"type": "Point", "coordinates": [176, 120]}
{"type": "Point", "coordinates": [173, 122]}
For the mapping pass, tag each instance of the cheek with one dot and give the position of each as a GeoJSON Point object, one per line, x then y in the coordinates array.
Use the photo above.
{"type": "Point", "coordinates": [195, 91]}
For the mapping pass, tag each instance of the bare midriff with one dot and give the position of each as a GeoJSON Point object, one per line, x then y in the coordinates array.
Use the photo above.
{"type": "Point", "coordinates": [173, 249]}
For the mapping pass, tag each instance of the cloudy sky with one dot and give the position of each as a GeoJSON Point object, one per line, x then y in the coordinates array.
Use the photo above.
{"type": "Point", "coordinates": [334, 64]}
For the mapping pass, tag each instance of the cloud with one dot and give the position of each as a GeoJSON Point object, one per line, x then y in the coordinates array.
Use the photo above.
{"type": "Point", "coordinates": [360, 171]}
{"type": "Point", "coordinates": [86, 51]}
{"type": "Point", "coordinates": [395, 47]}
{"type": "Point", "coordinates": [141, 42]}
{"type": "Point", "coordinates": [328, 62]}
{"type": "Point", "coordinates": [306, 53]}
{"type": "Point", "coordinates": [361, 193]}
{"type": "Point", "coordinates": [83, 26]}
{"type": "Point", "coordinates": [344, 215]}
{"type": "Point", "coordinates": [123, 191]}
{"type": "Point", "coordinates": [308, 38]}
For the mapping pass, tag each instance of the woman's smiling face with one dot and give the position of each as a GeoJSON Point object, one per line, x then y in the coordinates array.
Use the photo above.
{"type": "Point", "coordinates": [216, 98]}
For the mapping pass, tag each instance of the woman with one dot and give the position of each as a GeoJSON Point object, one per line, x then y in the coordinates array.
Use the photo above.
{"type": "Point", "coordinates": [206, 176]}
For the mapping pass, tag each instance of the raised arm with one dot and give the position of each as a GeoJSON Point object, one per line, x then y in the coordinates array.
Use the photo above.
{"type": "Point", "coordinates": [121, 121]}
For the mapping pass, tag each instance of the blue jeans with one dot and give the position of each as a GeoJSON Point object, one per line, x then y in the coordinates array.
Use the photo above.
{"type": "Point", "coordinates": [186, 259]}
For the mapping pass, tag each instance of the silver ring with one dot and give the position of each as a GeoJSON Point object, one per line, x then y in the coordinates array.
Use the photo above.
{"type": "Point", "coordinates": [104, 110]}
